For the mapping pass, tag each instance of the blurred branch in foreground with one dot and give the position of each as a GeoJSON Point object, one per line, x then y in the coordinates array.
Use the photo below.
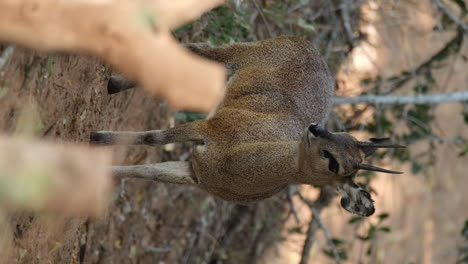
{"type": "Point", "coordinates": [67, 179]}
{"type": "Point", "coordinates": [133, 36]}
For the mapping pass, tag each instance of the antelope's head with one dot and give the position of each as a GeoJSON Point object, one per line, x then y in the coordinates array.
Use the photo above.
{"type": "Point", "coordinates": [334, 159]}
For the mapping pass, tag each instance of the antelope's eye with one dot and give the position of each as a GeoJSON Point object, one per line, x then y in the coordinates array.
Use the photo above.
{"type": "Point", "coordinates": [333, 165]}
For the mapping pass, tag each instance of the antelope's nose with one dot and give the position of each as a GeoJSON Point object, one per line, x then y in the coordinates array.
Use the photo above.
{"type": "Point", "coordinates": [317, 130]}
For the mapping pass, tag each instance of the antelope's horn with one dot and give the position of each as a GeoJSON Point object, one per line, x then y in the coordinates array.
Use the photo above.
{"type": "Point", "coordinates": [376, 145]}
{"type": "Point", "coordinates": [373, 168]}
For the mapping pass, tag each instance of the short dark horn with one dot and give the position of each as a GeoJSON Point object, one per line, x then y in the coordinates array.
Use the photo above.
{"type": "Point", "coordinates": [373, 168]}
{"type": "Point", "coordinates": [376, 145]}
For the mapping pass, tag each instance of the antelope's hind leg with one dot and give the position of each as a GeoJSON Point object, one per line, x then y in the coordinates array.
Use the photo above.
{"type": "Point", "coordinates": [177, 172]}
{"type": "Point", "coordinates": [355, 200]}
{"type": "Point", "coordinates": [118, 83]}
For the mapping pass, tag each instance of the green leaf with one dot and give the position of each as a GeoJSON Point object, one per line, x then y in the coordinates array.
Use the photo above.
{"type": "Point", "coordinates": [429, 77]}
{"type": "Point", "coordinates": [464, 231]}
{"type": "Point", "coordinates": [296, 229]}
{"type": "Point", "coordinates": [464, 112]}
{"type": "Point", "coordinates": [39, 127]}
{"type": "Point", "coordinates": [421, 88]}
{"type": "Point", "coordinates": [187, 117]}
{"type": "Point", "coordinates": [341, 254]}
{"type": "Point", "coordinates": [385, 229]}
{"type": "Point", "coordinates": [4, 91]}
{"type": "Point", "coordinates": [22, 252]}
{"type": "Point", "coordinates": [337, 241]}
{"type": "Point", "coordinates": [464, 151]}
{"type": "Point", "coordinates": [50, 64]}
{"type": "Point", "coordinates": [367, 81]}
{"type": "Point", "coordinates": [415, 167]}
{"type": "Point", "coordinates": [372, 230]}
{"type": "Point", "coordinates": [183, 29]}
{"type": "Point", "coordinates": [83, 114]}
{"type": "Point", "coordinates": [148, 18]}
{"type": "Point", "coordinates": [307, 26]}
{"type": "Point", "coordinates": [463, 260]}
{"type": "Point", "coordinates": [383, 216]}
{"type": "Point", "coordinates": [355, 219]}
{"type": "Point", "coordinates": [363, 238]}
{"type": "Point", "coordinates": [462, 6]}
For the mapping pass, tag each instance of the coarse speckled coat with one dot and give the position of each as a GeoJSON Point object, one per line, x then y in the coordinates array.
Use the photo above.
{"type": "Point", "coordinates": [266, 133]}
{"type": "Point", "coordinates": [276, 88]}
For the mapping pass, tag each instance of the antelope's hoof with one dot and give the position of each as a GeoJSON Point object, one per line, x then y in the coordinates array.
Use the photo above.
{"type": "Point", "coordinates": [99, 138]}
{"type": "Point", "coordinates": [118, 84]}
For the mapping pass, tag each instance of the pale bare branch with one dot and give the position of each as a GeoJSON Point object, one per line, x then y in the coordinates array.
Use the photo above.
{"type": "Point", "coordinates": [401, 100]}
{"type": "Point", "coordinates": [450, 15]}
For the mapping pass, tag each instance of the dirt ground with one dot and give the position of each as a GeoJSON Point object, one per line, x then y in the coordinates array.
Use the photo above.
{"type": "Point", "coordinates": [147, 222]}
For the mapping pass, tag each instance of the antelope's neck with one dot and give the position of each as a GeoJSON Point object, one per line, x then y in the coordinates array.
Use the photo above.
{"type": "Point", "coordinates": [303, 174]}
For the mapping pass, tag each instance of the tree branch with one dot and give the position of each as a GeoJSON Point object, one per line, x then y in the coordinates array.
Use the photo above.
{"type": "Point", "coordinates": [401, 100]}
{"type": "Point", "coordinates": [398, 81]}
{"type": "Point", "coordinates": [131, 35]}
{"type": "Point", "coordinates": [346, 22]}
{"type": "Point", "coordinates": [316, 216]}
{"type": "Point", "coordinates": [310, 238]}
{"type": "Point", "coordinates": [326, 195]}
{"type": "Point", "coordinates": [292, 190]}
{"type": "Point", "coordinates": [265, 21]}
{"type": "Point", "coordinates": [450, 15]}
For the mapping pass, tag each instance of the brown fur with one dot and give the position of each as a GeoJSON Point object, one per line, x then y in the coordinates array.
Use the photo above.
{"type": "Point", "coordinates": [277, 87]}
{"type": "Point", "coordinates": [259, 140]}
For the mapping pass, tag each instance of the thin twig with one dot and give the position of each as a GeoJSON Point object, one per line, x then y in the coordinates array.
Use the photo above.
{"type": "Point", "coordinates": [402, 100]}
{"type": "Point", "coordinates": [345, 20]}
{"type": "Point", "coordinates": [399, 81]}
{"type": "Point", "coordinates": [450, 15]}
{"type": "Point", "coordinates": [6, 54]}
{"type": "Point", "coordinates": [334, 116]}
{"type": "Point", "coordinates": [260, 11]}
{"type": "Point", "coordinates": [310, 238]}
{"type": "Point", "coordinates": [326, 195]}
{"type": "Point", "coordinates": [292, 190]}
{"type": "Point", "coordinates": [316, 216]}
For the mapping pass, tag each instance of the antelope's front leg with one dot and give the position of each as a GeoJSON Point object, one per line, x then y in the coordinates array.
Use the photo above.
{"type": "Point", "coordinates": [177, 172]}
{"type": "Point", "coordinates": [186, 132]}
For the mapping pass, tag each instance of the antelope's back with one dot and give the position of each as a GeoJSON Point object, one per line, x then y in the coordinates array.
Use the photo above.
{"type": "Point", "coordinates": [278, 87]}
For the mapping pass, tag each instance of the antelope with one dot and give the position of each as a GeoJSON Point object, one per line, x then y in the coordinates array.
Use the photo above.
{"type": "Point", "coordinates": [267, 133]}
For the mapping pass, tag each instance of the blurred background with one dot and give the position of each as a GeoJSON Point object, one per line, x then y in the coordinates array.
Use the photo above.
{"type": "Point", "coordinates": [374, 47]}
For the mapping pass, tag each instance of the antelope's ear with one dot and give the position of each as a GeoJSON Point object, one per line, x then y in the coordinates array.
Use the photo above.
{"type": "Point", "coordinates": [356, 200]}
{"type": "Point", "coordinates": [371, 141]}
{"type": "Point", "coordinates": [316, 130]}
